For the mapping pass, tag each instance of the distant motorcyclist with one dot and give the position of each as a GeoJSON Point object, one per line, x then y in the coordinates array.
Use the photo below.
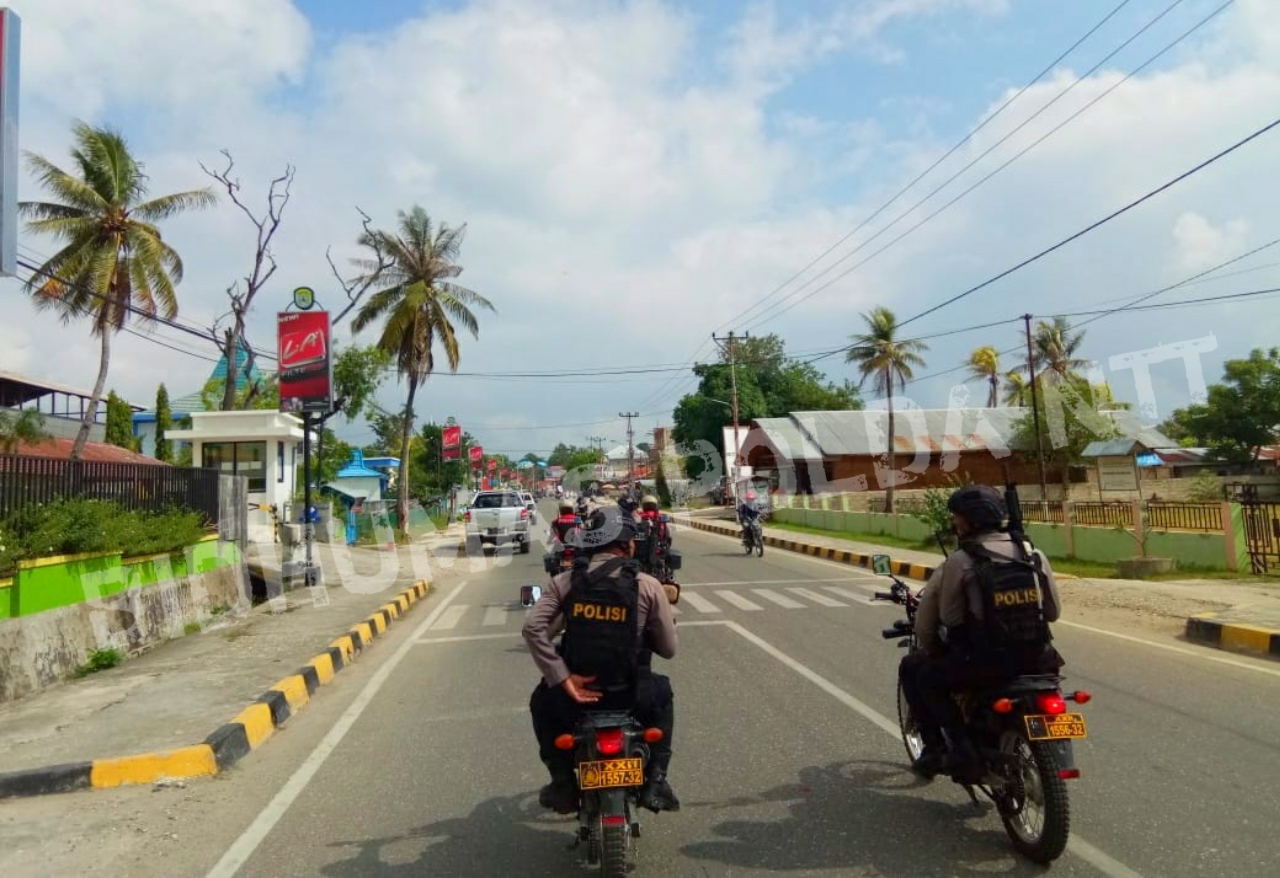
{"type": "Point", "coordinates": [627, 503]}
{"type": "Point", "coordinates": [983, 619]}
{"type": "Point", "coordinates": [748, 511]}
{"type": "Point", "coordinates": [565, 523]}
{"type": "Point", "coordinates": [614, 618]}
{"type": "Point", "coordinates": [582, 508]}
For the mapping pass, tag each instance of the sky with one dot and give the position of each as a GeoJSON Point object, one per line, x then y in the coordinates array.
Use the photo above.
{"type": "Point", "coordinates": [636, 175]}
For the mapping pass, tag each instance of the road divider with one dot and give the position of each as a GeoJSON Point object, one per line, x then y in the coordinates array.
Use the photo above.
{"type": "Point", "coordinates": [228, 743]}
{"type": "Point", "coordinates": [909, 569]}
{"type": "Point", "coordinates": [1235, 632]}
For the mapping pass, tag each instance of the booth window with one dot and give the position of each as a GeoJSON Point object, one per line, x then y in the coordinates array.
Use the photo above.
{"type": "Point", "coordinates": [247, 459]}
{"type": "Point", "coordinates": [280, 462]}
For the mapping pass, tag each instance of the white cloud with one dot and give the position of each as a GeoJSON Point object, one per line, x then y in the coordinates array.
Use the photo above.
{"type": "Point", "coordinates": [620, 209]}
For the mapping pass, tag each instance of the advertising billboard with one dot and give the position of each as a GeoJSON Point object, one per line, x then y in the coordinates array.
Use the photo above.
{"type": "Point", "coordinates": [452, 437]}
{"type": "Point", "coordinates": [306, 361]}
{"type": "Point", "coordinates": [453, 454]}
{"type": "Point", "coordinates": [477, 456]}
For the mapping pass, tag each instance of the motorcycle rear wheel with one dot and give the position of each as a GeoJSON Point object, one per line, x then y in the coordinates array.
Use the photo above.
{"type": "Point", "coordinates": [911, 738]}
{"type": "Point", "coordinates": [1033, 805]}
{"type": "Point", "coordinates": [615, 844]}
{"type": "Point", "coordinates": [759, 546]}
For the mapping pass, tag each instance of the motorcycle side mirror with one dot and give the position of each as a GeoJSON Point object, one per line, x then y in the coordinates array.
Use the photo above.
{"type": "Point", "coordinates": [881, 565]}
{"type": "Point", "coordinates": [529, 595]}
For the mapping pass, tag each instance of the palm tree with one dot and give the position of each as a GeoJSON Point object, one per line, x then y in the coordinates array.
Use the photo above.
{"type": "Point", "coordinates": [886, 360]}
{"type": "Point", "coordinates": [1054, 346]}
{"type": "Point", "coordinates": [420, 307]}
{"type": "Point", "coordinates": [984, 365]}
{"type": "Point", "coordinates": [1016, 388]}
{"type": "Point", "coordinates": [113, 262]}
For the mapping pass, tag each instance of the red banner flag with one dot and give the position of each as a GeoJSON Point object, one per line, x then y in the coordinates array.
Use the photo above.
{"type": "Point", "coordinates": [452, 437]}
{"type": "Point", "coordinates": [453, 454]}
{"type": "Point", "coordinates": [477, 455]}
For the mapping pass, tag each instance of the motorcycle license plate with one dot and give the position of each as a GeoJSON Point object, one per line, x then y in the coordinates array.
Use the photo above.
{"type": "Point", "coordinates": [1056, 728]}
{"type": "Point", "coordinates": [493, 531]}
{"type": "Point", "coordinates": [607, 774]}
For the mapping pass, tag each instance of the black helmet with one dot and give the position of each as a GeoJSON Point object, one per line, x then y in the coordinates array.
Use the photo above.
{"type": "Point", "coordinates": [627, 502]}
{"type": "Point", "coordinates": [980, 505]}
{"type": "Point", "coordinates": [607, 527]}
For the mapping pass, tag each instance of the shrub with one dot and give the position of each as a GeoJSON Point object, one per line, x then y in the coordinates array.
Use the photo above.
{"type": "Point", "coordinates": [1205, 488]}
{"type": "Point", "coordinates": [70, 527]}
{"type": "Point", "coordinates": [100, 660]}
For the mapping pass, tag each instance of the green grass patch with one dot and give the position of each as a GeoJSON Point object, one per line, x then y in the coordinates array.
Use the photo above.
{"type": "Point", "coordinates": [100, 660]}
{"type": "Point", "coordinates": [191, 628]}
{"type": "Point", "coordinates": [888, 540]}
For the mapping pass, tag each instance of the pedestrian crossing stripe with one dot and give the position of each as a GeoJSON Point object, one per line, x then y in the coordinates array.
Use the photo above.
{"type": "Point", "coordinates": [697, 603]}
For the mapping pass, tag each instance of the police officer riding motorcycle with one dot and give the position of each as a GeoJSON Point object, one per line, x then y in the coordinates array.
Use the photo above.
{"type": "Point", "coordinates": [983, 619]}
{"type": "Point", "coordinates": [614, 618]}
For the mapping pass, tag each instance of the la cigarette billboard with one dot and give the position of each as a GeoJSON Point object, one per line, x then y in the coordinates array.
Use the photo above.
{"type": "Point", "coordinates": [306, 361]}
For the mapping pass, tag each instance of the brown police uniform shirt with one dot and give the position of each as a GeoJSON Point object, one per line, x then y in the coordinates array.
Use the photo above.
{"type": "Point", "coordinates": [947, 596]}
{"type": "Point", "coordinates": [546, 620]}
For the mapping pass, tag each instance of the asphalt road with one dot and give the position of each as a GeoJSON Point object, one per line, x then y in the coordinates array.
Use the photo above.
{"type": "Point", "coordinates": [786, 754]}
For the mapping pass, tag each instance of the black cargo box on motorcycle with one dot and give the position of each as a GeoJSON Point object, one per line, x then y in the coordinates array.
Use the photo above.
{"type": "Point", "coordinates": [674, 559]}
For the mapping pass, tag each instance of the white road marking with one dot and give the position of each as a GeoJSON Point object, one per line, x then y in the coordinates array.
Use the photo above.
{"type": "Point", "coordinates": [1193, 653]}
{"type": "Point", "coordinates": [495, 616]}
{"type": "Point", "coordinates": [244, 846]}
{"type": "Point", "coordinates": [699, 603]}
{"type": "Point", "coordinates": [822, 599]}
{"type": "Point", "coordinates": [450, 618]}
{"type": "Point", "coordinates": [463, 638]}
{"type": "Point", "coordinates": [1103, 862]}
{"type": "Point", "coordinates": [779, 599]}
{"type": "Point", "coordinates": [739, 601]}
{"type": "Point", "coordinates": [777, 581]}
{"type": "Point", "coordinates": [851, 595]}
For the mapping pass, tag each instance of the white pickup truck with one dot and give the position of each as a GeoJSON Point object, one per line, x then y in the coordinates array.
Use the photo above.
{"type": "Point", "coordinates": [497, 517]}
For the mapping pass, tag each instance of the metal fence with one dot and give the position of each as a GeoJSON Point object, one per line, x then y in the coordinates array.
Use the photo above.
{"type": "Point", "coordinates": [903, 505]}
{"type": "Point", "coordinates": [1103, 514]}
{"type": "Point", "coordinates": [1043, 511]}
{"type": "Point", "coordinates": [34, 481]}
{"type": "Point", "coordinates": [1185, 516]}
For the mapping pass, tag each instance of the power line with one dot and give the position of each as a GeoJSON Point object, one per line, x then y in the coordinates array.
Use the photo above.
{"type": "Point", "coordinates": [956, 146]}
{"type": "Point", "coordinates": [1097, 224]}
{"type": "Point", "coordinates": [946, 206]}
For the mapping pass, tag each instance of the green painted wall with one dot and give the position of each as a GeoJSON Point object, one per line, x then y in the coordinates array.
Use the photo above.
{"type": "Point", "coordinates": [52, 586]}
{"type": "Point", "coordinates": [1048, 538]}
{"type": "Point", "coordinates": [1198, 550]}
{"type": "Point", "coordinates": [1103, 544]}
{"type": "Point", "coordinates": [1242, 560]}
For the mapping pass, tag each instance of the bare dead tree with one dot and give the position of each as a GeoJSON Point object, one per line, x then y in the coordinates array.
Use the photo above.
{"type": "Point", "coordinates": [242, 293]}
{"type": "Point", "coordinates": [371, 269]}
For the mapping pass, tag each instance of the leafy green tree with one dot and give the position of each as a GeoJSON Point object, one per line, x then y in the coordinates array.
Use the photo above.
{"type": "Point", "coordinates": [17, 427]}
{"type": "Point", "coordinates": [440, 475]}
{"type": "Point", "coordinates": [664, 489]}
{"type": "Point", "coordinates": [1017, 389]}
{"type": "Point", "coordinates": [418, 306]}
{"type": "Point", "coordinates": [887, 361]}
{"type": "Point", "coordinates": [262, 396]}
{"type": "Point", "coordinates": [164, 423]}
{"type": "Point", "coordinates": [358, 373]}
{"type": "Point", "coordinates": [119, 430]}
{"type": "Point", "coordinates": [1068, 423]}
{"type": "Point", "coordinates": [1241, 415]}
{"type": "Point", "coordinates": [1054, 345]}
{"type": "Point", "coordinates": [770, 384]}
{"type": "Point", "coordinates": [984, 365]}
{"type": "Point", "coordinates": [113, 262]}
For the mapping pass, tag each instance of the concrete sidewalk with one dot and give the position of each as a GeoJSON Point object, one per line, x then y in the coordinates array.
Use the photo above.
{"type": "Point", "coordinates": [1237, 615]}
{"type": "Point", "coordinates": [226, 687]}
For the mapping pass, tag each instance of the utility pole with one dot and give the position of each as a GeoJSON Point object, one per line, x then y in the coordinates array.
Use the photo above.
{"type": "Point", "coordinates": [1035, 409]}
{"type": "Point", "coordinates": [733, 371]}
{"type": "Point", "coordinates": [631, 456]}
{"type": "Point", "coordinates": [596, 442]}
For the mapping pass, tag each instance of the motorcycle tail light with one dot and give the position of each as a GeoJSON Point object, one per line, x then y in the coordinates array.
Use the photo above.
{"type": "Point", "coordinates": [466, 516]}
{"type": "Point", "coordinates": [609, 741]}
{"type": "Point", "coordinates": [613, 820]}
{"type": "Point", "coordinates": [1068, 773]}
{"type": "Point", "coordinates": [1002, 705]}
{"type": "Point", "coordinates": [653, 736]}
{"type": "Point", "coordinates": [564, 742]}
{"type": "Point", "coordinates": [1051, 703]}
{"type": "Point", "coordinates": [1080, 697]}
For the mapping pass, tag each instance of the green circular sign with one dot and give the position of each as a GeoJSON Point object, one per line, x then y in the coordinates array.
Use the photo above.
{"type": "Point", "coordinates": [304, 298]}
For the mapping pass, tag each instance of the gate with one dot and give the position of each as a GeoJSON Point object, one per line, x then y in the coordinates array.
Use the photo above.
{"type": "Point", "coordinates": [1262, 534]}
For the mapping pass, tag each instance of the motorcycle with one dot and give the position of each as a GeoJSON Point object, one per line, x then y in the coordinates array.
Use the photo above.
{"type": "Point", "coordinates": [611, 751]}
{"type": "Point", "coordinates": [657, 556]}
{"type": "Point", "coordinates": [1022, 733]}
{"type": "Point", "coordinates": [753, 537]}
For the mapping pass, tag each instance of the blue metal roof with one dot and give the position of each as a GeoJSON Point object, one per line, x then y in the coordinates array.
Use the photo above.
{"type": "Point", "coordinates": [356, 468]}
{"type": "Point", "coordinates": [382, 462]}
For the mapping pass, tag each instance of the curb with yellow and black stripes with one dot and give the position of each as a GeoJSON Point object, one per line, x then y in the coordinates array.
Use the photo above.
{"type": "Point", "coordinates": [229, 742]}
{"type": "Point", "coordinates": [910, 569]}
{"type": "Point", "coordinates": [1234, 636]}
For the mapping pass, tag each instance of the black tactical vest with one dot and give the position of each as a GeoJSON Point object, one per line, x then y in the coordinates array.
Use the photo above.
{"type": "Point", "coordinates": [1013, 621]}
{"type": "Point", "coordinates": [601, 632]}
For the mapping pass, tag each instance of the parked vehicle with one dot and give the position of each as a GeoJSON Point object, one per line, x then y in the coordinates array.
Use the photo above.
{"type": "Point", "coordinates": [1022, 733]}
{"type": "Point", "coordinates": [611, 752]}
{"type": "Point", "coordinates": [496, 518]}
